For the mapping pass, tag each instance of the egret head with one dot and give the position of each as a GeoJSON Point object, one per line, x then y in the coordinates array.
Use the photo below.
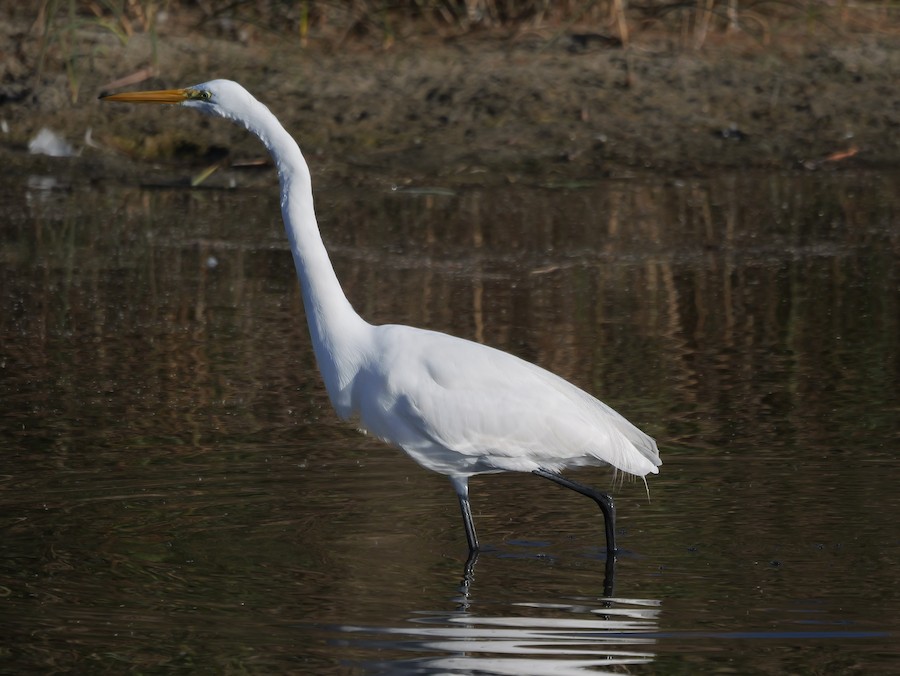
{"type": "Point", "coordinates": [227, 99]}
{"type": "Point", "coordinates": [222, 98]}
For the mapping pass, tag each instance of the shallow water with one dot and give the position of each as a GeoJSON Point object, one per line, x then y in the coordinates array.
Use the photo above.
{"type": "Point", "coordinates": [177, 495]}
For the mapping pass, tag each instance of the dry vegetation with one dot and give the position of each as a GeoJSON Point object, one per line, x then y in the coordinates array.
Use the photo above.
{"type": "Point", "coordinates": [429, 84]}
{"type": "Point", "coordinates": [385, 21]}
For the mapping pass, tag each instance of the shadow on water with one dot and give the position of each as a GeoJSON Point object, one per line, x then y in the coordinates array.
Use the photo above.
{"type": "Point", "coordinates": [177, 494]}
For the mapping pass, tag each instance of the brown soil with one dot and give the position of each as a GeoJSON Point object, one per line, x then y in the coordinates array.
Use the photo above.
{"type": "Point", "coordinates": [486, 109]}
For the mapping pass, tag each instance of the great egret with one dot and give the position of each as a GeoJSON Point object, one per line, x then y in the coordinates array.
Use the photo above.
{"type": "Point", "coordinates": [456, 407]}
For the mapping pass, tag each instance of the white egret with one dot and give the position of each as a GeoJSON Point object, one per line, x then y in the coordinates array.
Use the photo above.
{"type": "Point", "coordinates": [456, 407]}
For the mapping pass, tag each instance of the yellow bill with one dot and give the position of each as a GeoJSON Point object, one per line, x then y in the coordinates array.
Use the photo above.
{"type": "Point", "coordinates": [159, 96]}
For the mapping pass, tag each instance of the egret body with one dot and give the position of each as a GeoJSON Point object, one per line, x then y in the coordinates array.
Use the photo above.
{"type": "Point", "coordinates": [456, 407]}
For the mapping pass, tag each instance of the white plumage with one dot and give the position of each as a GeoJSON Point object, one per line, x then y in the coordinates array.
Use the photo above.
{"type": "Point", "coordinates": [456, 407]}
{"type": "Point", "coordinates": [461, 408]}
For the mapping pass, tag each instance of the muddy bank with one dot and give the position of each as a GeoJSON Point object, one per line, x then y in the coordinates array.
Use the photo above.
{"type": "Point", "coordinates": [482, 109]}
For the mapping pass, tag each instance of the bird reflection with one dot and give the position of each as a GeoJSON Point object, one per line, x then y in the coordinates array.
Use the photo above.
{"type": "Point", "coordinates": [468, 576]}
{"type": "Point", "coordinates": [582, 635]}
{"type": "Point", "coordinates": [565, 643]}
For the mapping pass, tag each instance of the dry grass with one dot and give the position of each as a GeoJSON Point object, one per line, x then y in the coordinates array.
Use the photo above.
{"type": "Point", "coordinates": [390, 20]}
{"type": "Point", "coordinates": [65, 27]}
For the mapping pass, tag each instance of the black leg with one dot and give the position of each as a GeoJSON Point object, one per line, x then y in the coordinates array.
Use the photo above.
{"type": "Point", "coordinates": [609, 578]}
{"type": "Point", "coordinates": [604, 501]}
{"type": "Point", "coordinates": [461, 486]}
{"type": "Point", "coordinates": [466, 510]}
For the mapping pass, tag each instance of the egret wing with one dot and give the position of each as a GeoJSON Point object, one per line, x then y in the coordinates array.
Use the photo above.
{"type": "Point", "coordinates": [488, 411]}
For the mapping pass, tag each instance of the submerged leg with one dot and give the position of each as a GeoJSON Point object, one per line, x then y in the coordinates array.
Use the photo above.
{"type": "Point", "coordinates": [468, 576]}
{"type": "Point", "coordinates": [461, 485]}
{"type": "Point", "coordinates": [604, 501]}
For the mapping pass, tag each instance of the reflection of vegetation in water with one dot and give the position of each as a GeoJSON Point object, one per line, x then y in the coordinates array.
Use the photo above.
{"type": "Point", "coordinates": [173, 454]}
{"type": "Point", "coordinates": [664, 300]}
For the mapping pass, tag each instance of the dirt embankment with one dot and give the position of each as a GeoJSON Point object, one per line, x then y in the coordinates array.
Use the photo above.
{"type": "Point", "coordinates": [481, 109]}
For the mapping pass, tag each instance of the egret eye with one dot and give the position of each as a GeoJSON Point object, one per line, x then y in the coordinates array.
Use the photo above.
{"type": "Point", "coordinates": [199, 94]}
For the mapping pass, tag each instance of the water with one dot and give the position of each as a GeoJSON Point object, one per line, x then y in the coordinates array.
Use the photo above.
{"type": "Point", "coordinates": [176, 495]}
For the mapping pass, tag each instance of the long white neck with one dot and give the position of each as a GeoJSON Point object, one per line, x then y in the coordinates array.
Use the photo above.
{"type": "Point", "coordinates": [334, 326]}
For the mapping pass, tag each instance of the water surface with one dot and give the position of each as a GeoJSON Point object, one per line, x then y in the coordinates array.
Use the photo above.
{"type": "Point", "coordinates": [176, 494]}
